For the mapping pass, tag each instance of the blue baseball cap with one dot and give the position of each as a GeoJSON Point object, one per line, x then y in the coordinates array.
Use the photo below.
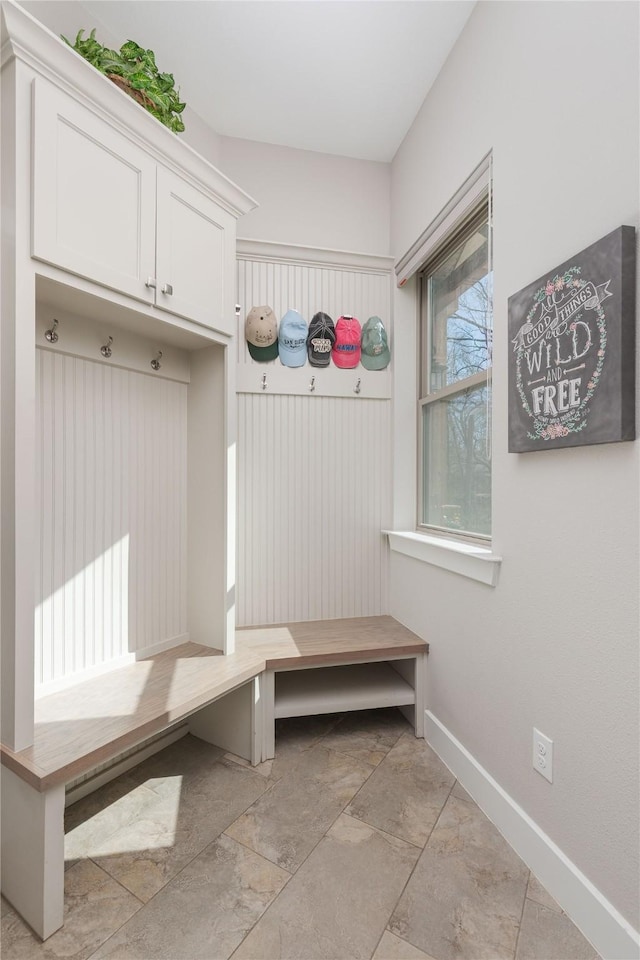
{"type": "Point", "coordinates": [292, 339]}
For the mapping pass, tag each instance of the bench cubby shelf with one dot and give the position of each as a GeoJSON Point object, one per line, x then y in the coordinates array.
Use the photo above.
{"type": "Point", "coordinates": [332, 666]}
{"type": "Point", "coordinates": [364, 686]}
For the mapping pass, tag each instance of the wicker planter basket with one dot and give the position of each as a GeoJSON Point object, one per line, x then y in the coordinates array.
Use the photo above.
{"type": "Point", "coordinates": [138, 95]}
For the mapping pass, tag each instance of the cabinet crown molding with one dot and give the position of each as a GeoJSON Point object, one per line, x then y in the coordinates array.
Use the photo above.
{"type": "Point", "coordinates": [25, 39]}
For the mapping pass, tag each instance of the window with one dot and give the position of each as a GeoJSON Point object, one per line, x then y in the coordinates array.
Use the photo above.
{"type": "Point", "coordinates": [455, 382]}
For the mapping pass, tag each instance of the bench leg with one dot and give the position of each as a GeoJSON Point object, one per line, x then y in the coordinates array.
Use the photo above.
{"type": "Point", "coordinates": [420, 688]}
{"type": "Point", "coordinates": [234, 722]}
{"type": "Point", "coordinates": [414, 671]}
{"type": "Point", "coordinates": [269, 715]}
{"type": "Point", "coordinates": [33, 852]}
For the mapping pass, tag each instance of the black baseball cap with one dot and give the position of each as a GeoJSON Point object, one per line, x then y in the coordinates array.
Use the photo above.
{"type": "Point", "coordinates": [322, 336]}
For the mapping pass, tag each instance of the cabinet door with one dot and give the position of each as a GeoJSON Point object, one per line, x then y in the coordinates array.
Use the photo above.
{"type": "Point", "coordinates": [195, 254]}
{"type": "Point", "coordinates": [93, 196]}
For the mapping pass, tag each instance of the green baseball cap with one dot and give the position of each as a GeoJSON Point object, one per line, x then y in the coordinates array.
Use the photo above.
{"type": "Point", "coordinates": [375, 347]}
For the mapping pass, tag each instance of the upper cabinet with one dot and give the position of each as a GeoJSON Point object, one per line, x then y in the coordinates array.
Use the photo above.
{"type": "Point", "coordinates": [106, 210]}
{"type": "Point", "coordinates": [195, 263]}
{"type": "Point", "coordinates": [94, 196]}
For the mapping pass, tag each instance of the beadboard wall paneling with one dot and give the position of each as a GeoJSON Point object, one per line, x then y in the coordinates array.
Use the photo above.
{"type": "Point", "coordinates": [314, 494]}
{"type": "Point", "coordinates": [314, 468]}
{"type": "Point", "coordinates": [111, 513]}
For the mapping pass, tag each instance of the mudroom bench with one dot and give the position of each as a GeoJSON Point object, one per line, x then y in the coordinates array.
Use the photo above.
{"type": "Point", "coordinates": [232, 701]}
{"type": "Point", "coordinates": [331, 666]}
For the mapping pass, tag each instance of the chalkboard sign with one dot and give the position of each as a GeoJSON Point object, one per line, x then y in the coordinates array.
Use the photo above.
{"type": "Point", "coordinates": [572, 351]}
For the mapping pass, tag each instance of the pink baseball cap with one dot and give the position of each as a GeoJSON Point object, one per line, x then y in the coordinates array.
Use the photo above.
{"type": "Point", "coordinates": [346, 349]}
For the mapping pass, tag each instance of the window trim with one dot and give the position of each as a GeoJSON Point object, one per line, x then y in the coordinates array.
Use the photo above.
{"type": "Point", "coordinates": [473, 561]}
{"type": "Point", "coordinates": [470, 211]}
{"type": "Point", "coordinates": [450, 217]}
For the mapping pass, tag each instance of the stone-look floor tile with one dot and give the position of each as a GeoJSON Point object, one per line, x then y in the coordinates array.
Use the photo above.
{"type": "Point", "coordinates": [294, 736]}
{"type": "Point", "coordinates": [546, 935]}
{"type": "Point", "coordinates": [95, 906]}
{"type": "Point", "coordinates": [287, 822]}
{"type": "Point", "coordinates": [302, 733]}
{"type": "Point", "coordinates": [406, 793]}
{"type": "Point", "coordinates": [143, 827]}
{"type": "Point", "coordinates": [96, 817]}
{"type": "Point", "coordinates": [4, 907]}
{"type": "Point", "coordinates": [460, 792]}
{"type": "Point", "coordinates": [464, 900]}
{"type": "Point", "coordinates": [338, 903]}
{"type": "Point", "coordinates": [90, 822]}
{"type": "Point", "coordinates": [264, 768]}
{"type": "Point", "coordinates": [205, 911]}
{"type": "Point", "coordinates": [367, 734]}
{"type": "Point", "coordinates": [186, 757]}
{"type": "Point", "coordinates": [393, 948]}
{"type": "Point", "coordinates": [186, 814]}
{"type": "Point", "coordinates": [535, 891]}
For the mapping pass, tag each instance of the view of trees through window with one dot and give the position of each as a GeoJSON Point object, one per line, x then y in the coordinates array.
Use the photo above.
{"type": "Point", "coordinates": [456, 422]}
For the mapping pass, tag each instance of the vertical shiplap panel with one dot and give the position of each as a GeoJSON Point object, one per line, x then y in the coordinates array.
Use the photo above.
{"type": "Point", "coordinates": [39, 513]}
{"type": "Point", "coordinates": [46, 502]}
{"type": "Point", "coordinates": [71, 484]}
{"type": "Point", "coordinates": [111, 513]}
{"type": "Point", "coordinates": [78, 467]}
{"type": "Point", "coordinates": [314, 495]}
{"type": "Point", "coordinates": [313, 472]}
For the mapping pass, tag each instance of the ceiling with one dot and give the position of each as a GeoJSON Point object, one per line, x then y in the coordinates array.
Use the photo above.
{"type": "Point", "coordinates": [337, 76]}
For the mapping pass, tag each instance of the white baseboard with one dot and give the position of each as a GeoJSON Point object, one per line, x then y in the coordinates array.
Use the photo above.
{"type": "Point", "coordinates": [611, 935]}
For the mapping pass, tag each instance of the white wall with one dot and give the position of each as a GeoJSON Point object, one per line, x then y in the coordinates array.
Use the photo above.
{"type": "Point", "coordinates": [552, 89]}
{"type": "Point", "coordinates": [310, 198]}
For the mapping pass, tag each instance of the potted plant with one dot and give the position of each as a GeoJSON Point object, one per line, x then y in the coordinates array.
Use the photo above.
{"type": "Point", "coordinates": [134, 70]}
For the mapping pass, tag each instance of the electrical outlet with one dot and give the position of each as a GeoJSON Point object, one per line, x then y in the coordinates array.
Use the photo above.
{"type": "Point", "coordinates": [543, 755]}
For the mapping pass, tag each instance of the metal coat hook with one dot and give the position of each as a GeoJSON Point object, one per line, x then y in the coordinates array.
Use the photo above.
{"type": "Point", "coordinates": [357, 386]}
{"type": "Point", "coordinates": [264, 381]}
{"type": "Point", "coordinates": [155, 363]}
{"type": "Point", "coordinates": [106, 349]}
{"type": "Point", "coordinates": [312, 385]}
{"type": "Point", "coordinates": [51, 334]}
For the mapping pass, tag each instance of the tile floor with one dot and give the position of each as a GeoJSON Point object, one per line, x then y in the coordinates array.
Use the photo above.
{"type": "Point", "coordinates": [355, 842]}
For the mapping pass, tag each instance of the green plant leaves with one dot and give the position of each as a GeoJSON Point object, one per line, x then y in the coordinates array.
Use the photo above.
{"type": "Point", "coordinates": [138, 67]}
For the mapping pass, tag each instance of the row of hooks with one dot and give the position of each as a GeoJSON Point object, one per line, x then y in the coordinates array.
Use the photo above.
{"type": "Point", "coordinates": [312, 384]}
{"type": "Point", "coordinates": [51, 336]}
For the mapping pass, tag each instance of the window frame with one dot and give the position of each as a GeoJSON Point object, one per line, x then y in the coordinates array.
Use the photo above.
{"type": "Point", "coordinates": [479, 212]}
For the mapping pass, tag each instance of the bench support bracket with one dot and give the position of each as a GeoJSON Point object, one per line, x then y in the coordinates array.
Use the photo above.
{"type": "Point", "coordinates": [234, 722]}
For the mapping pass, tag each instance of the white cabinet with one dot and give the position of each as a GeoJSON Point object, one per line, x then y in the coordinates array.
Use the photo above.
{"type": "Point", "coordinates": [104, 209]}
{"type": "Point", "coordinates": [94, 196]}
{"type": "Point", "coordinates": [195, 262]}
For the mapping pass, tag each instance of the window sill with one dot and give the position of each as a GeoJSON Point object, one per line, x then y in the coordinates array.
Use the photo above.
{"type": "Point", "coordinates": [466, 559]}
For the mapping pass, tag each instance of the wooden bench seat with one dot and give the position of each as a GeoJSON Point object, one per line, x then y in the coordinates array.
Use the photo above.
{"type": "Point", "coordinates": [318, 642]}
{"type": "Point", "coordinates": [227, 700]}
{"type": "Point", "coordinates": [85, 725]}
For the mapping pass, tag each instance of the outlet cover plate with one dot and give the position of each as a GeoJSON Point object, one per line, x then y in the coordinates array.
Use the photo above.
{"type": "Point", "coordinates": [543, 755]}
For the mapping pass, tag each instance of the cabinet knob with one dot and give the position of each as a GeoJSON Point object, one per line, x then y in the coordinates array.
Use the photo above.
{"type": "Point", "coordinates": [151, 282]}
{"type": "Point", "coordinates": [167, 288]}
